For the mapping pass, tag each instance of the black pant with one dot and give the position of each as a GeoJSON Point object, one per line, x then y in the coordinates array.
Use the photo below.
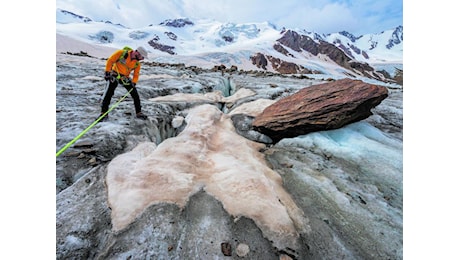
{"type": "Point", "coordinates": [111, 90]}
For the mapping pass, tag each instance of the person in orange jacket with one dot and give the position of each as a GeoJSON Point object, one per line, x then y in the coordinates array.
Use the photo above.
{"type": "Point", "coordinates": [117, 71]}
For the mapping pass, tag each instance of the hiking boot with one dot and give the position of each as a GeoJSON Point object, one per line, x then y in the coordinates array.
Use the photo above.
{"type": "Point", "coordinates": [140, 115]}
{"type": "Point", "coordinates": [105, 118]}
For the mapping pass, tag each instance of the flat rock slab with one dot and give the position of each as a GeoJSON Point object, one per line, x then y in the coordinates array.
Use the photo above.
{"type": "Point", "coordinates": [319, 107]}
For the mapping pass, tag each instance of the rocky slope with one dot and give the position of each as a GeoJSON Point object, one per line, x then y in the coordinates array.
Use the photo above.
{"type": "Point", "coordinates": [191, 183]}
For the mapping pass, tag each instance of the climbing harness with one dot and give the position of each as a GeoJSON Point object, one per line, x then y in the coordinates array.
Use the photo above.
{"type": "Point", "coordinates": [123, 79]}
{"type": "Point", "coordinates": [91, 126]}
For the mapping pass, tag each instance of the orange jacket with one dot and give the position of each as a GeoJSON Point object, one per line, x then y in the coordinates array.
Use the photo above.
{"type": "Point", "coordinates": [123, 66]}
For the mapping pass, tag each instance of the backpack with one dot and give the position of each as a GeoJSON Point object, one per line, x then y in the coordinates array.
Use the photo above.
{"type": "Point", "coordinates": [124, 55]}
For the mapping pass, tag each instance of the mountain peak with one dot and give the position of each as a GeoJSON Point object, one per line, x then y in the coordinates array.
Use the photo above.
{"type": "Point", "coordinates": [348, 35]}
{"type": "Point", "coordinates": [177, 23]}
{"type": "Point", "coordinates": [396, 37]}
{"type": "Point", "coordinates": [64, 16]}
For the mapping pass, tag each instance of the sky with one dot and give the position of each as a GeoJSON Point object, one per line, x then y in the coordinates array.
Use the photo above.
{"type": "Point", "coordinates": [322, 16]}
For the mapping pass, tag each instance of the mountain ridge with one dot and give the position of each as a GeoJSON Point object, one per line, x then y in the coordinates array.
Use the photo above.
{"type": "Point", "coordinates": [207, 43]}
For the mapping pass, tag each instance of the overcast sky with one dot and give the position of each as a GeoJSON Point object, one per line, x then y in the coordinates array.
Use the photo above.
{"type": "Point", "coordinates": [322, 16]}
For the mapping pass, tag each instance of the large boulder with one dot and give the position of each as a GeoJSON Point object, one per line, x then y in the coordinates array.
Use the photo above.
{"type": "Point", "coordinates": [319, 107]}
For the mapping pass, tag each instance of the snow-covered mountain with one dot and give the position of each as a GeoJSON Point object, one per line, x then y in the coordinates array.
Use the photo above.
{"type": "Point", "coordinates": [249, 46]}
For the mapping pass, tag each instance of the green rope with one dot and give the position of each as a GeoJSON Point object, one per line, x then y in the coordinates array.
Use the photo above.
{"type": "Point", "coordinates": [91, 126]}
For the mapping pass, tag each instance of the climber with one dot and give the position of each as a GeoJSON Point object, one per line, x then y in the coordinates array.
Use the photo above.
{"type": "Point", "coordinates": [117, 71]}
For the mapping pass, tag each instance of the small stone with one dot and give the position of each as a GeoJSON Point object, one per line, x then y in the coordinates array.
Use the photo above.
{"type": "Point", "coordinates": [92, 161]}
{"type": "Point", "coordinates": [242, 250]}
{"type": "Point", "coordinates": [285, 257]}
{"type": "Point", "coordinates": [83, 144]}
{"type": "Point", "coordinates": [177, 121]}
{"type": "Point", "coordinates": [226, 248]}
{"type": "Point", "coordinates": [72, 154]}
{"type": "Point", "coordinates": [89, 151]}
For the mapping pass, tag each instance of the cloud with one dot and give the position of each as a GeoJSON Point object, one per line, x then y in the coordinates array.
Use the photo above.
{"type": "Point", "coordinates": [326, 19]}
{"type": "Point", "coordinates": [322, 16]}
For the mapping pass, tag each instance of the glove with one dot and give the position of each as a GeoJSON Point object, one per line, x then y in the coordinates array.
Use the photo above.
{"type": "Point", "coordinates": [108, 75]}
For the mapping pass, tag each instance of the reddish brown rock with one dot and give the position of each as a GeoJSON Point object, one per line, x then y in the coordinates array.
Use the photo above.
{"type": "Point", "coordinates": [319, 107]}
{"type": "Point", "coordinates": [226, 248]}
